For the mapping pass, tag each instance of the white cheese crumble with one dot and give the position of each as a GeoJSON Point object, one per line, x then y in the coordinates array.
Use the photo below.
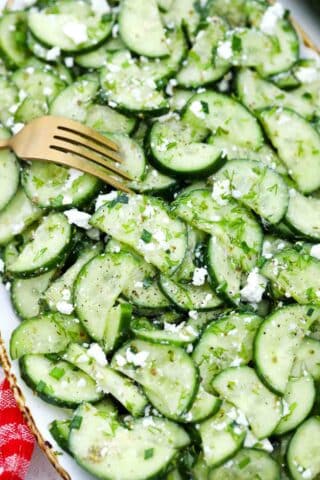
{"type": "Point", "coordinates": [224, 50]}
{"type": "Point", "coordinates": [81, 219]}
{"type": "Point", "coordinates": [73, 175]}
{"type": "Point", "coordinates": [64, 307]}
{"type": "Point", "coordinates": [96, 352]}
{"type": "Point", "coordinates": [81, 383]}
{"type": "Point", "coordinates": [108, 197]}
{"type": "Point", "coordinates": [137, 359]}
{"type": "Point", "coordinates": [76, 31]}
{"type": "Point", "coordinates": [199, 276]}
{"type": "Point", "coordinates": [307, 74]}
{"type": "Point", "coordinates": [1, 265]}
{"type": "Point", "coordinates": [193, 314]}
{"type": "Point", "coordinates": [267, 250]}
{"type": "Point", "coordinates": [315, 251]}
{"type": "Point", "coordinates": [69, 62]}
{"type": "Point", "coordinates": [197, 110]}
{"type": "Point", "coordinates": [271, 17]}
{"type": "Point", "coordinates": [236, 362]}
{"type": "Point", "coordinates": [307, 474]}
{"type": "Point", "coordinates": [255, 287]}
{"type": "Point", "coordinates": [17, 127]}
{"type": "Point", "coordinates": [251, 441]}
{"type": "Point", "coordinates": [121, 361]}
{"type": "Point", "coordinates": [53, 54]}
{"type": "Point", "coordinates": [221, 189]}
{"type": "Point", "coordinates": [100, 7]}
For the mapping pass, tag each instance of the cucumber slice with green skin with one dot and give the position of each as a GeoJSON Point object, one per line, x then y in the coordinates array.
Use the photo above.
{"type": "Point", "coordinates": [38, 335]}
{"type": "Point", "coordinates": [180, 335]}
{"type": "Point", "coordinates": [264, 154]}
{"type": "Point", "coordinates": [256, 93]}
{"type": "Point", "coordinates": [70, 26]}
{"type": "Point", "coordinates": [30, 109]}
{"type": "Point", "coordinates": [97, 287]}
{"type": "Point", "coordinates": [39, 50]}
{"type": "Point", "coordinates": [9, 172]}
{"type": "Point", "coordinates": [105, 119]}
{"type": "Point", "coordinates": [26, 294]}
{"type": "Point", "coordinates": [257, 187]}
{"type": "Point", "coordinates": [134, 161]}
{"type": "Point", "coordinates": [307, 359]}
{"type": "Point", "coordinates": [58, 382]}
{"type": "Point", "coordinates": [278, 341]}
{"type": "Point", "coordinates": [170, 390]}
{"type": "Point", "coordinates": [221, 436]}
{"type": "Point", "coordinates": [294, 275]}
{"type": "Point", "coordinates": [299, 398]}
{"type": "Point", "coordinates": [302, 454]}
{"type": "Point", "coordinates": [60, 430]}
{"type": "Point", "coordinates": [241, 387]}
{"type": "Point", "coordinates": [234, 11]}
{"type": "Point", "coordinates": [154, 183]}
{"type": "Point", "coordinates": [17, 216]}
{"type": "Point", "coordinates": [13, 31]}
{"type": "Point", "coordinates": [196, 241]}
{"type": "Point", "coordinates": [150, 40]}
{"type": "Point", "coordinates": [182, 12]}
{"type": "Point", "coordinates": [50, 185]}
{"type": "Point", "coordinates": [38, 83]}
{"type": "Point", "coordinates": [199, 69]}
{"type": "Point", "coordinates": [9, 97]}
{"type": "Point", "coordinates": [48, 249]}
{"type": "Point", "coordinates": [177, 150]}
{"type": "Point", "coordinates": [154, 233]}
{"type": "Point", "coordinates": [98, 57]}
{"type": "Point", "coordinates": [286, 80]}
{"type": "Point", "coordinates": [117, 326]}
{"type": "Point", "coordinates": [179, 99]}
{"type": "Point", "coordinates": [108, 380]}
{"type": "Point", "coordinates": [200, 469]}
{"type": "Point", "coordinates": [297, 143]}
{"type": "Point", "coordinates": [246, 465]}
{"type": "Point", "coordinates": [225, 342]}
{"type": "Point", "coordinates": [204, 406]}
{"type": "Point", "coordinates": [216, 112]}
{"type": "Point", "coordinates": [129, 89]}
{"type": "Point", "coordinates": [188, 296]}
{"type": "Point", "coordinates": [61, 288]}
{"type": "Point", "coordinates": [148, 450]}
{"type": "Point", "coordinates": [303, 215]}
{"type": "Point", "coordinates": [74, 100]}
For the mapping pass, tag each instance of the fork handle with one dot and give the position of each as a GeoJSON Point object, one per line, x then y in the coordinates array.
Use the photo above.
{"type": "Point", "coordinates": [5, 143]}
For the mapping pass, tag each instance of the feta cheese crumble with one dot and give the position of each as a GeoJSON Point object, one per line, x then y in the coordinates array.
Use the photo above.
{"type": "Point", "coordinates": [76, 31]}
{"type": "Point", "coordinates": [137, 359]}
{"type": "Point", "coordinates": [224, 50]}
{"type": "Point", "coordinates": [96, 352]}
{"type": "Point", "coordinates": [108, 197]}
{"type": "Point", "coordinates": [65, 307]}
{"type": "Point", "coordinates": [81, 219]}
{"type": "Point", "coordinates": [199, 276]}
{"type": "Point", "coordinates": [307, 74]}
{"type": "Point", "coordinates": [255, 287]}
{"type": "Point", "coordinates": [271, 17]}
{"type": "Point", "coordinates": [315, 251]}
{"type": "Point", "coordinates": [220, 190]}
{"type": "Point", "coordinates": [100, 7]}
{"type": "Point", "coordinates": [53, 54]}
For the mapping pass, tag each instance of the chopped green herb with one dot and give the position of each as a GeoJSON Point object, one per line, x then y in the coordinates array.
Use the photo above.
{"type": "Point", "coordinates": [57, 373]}
{"type": "Point", "coordinates": [244, 462]}
{"type": "Point", "coordinates": [148, 453]}
{"type": "Point", "coordinates": [146, 236]}
{"type": "Point", "coordinates": [76, 422]}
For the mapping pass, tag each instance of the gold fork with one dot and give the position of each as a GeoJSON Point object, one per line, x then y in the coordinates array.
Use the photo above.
{"type": "Point", "coordinates": [66, 142]}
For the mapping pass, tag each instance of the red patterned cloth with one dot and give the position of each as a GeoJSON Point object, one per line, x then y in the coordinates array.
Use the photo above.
{"type": "Point", "coordinates": [16, 441]}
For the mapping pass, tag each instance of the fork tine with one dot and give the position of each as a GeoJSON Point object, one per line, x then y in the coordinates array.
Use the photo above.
{"type": "Point", "coordinates": [88, 155]}
{"type": "Point", "coordinates": [63, 158]}
{"type": "Point", "coordinates": [83, 131]}
{"type": "Point", "coordinates": [76, 140]}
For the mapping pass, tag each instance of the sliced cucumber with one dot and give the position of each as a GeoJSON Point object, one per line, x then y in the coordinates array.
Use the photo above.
{"type": "Point", "coordinates": [97, 58]}
{"type": "Point", "coordinates": [17, 216]}
{"type": "Point", "coordinates": [61, 288]}
{"type": "Point", "coordinates": [278, 341]}
{"type": "Point", "coordinates": [13, 32]}
{"type": "Point", "coordinates": [105, 119]}
{"type": "Point", "coordinates": [298, 398]}
{"type": "Point", "coordinates": [204, 405]}
{"type": "Point", "coordinates": [257, 93]}
{"type": "Point", "coordinates": [129, 88]}
{"type": "Point", "coordinates": [26, 294]}
{"type": "Point", "coordinates": [221, 436]}
{"type": "Point", "coordinates": [233, 11]}
{"type": "Point", "coordinates": [9, 172]}
{"type": "Point", "coordinates": [180, 335]}
{"type": "Point", "coordinates": [154, 183]}
{"type": "Point", "coordinates": [58, 382]}
{"type": "Point", "coordinates": [154, 234]}
{"type": "Point", "coordinates": [226, 342]}
{"type": "Point", "coordinates": [51, 243]}
{"type": "Point", "coordinates": [98, 286]}
{"type": "Point", "coordinates": [148, 450]}
{"type": "Point", "coordinates": [241, 387]}
{"type": "Point", "coordinates": [71, 26]}
{"type": "Point", "coordinates": [187, 296]}
{"type": "Point", "coordinates": [177, 150]}
{"type": "Point", "coordinates": [218, 112]}
{"type": "Point", "coordinates": [170, 389]}
{"type": "Point", "coordinates": [297, 143]}
{"type": "Point", "coordinates": [182, 12]}
{"type": "Point", "coordinates": [60, 430]}
{"type": "Point", "coordinates": [302, 455]}
{"type": "Point", "coordinates": [9, 97]}
{"type": "Point", "coordinates": [303, 215]}
{"type": "Point", "coordinates": [74, 100]}
{"type": "Point", "coordinates": [200, 68]}
{"type": "Point", "coordinates": [256, 186]}
{"type": "Point", "coordinates": [294, 275]}
{"type": "Point", "coordinates": [132, 154]}
{"type": "Point", "coordinates": [247, 465]}
{"type": "Point", "coordinates": [117, 326]}
{"type": "Point", "coordinates": [108, 380]}
{"type": "Point", "coordinates": [150, 40]}
{"type": "Point", "coordinates": [38, 83]}
{"type": "Point", "coordinates": [307, 360]}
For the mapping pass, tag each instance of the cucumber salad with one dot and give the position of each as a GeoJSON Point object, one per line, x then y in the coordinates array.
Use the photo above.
{"type": "Point", "coordinates": [178, 326]}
